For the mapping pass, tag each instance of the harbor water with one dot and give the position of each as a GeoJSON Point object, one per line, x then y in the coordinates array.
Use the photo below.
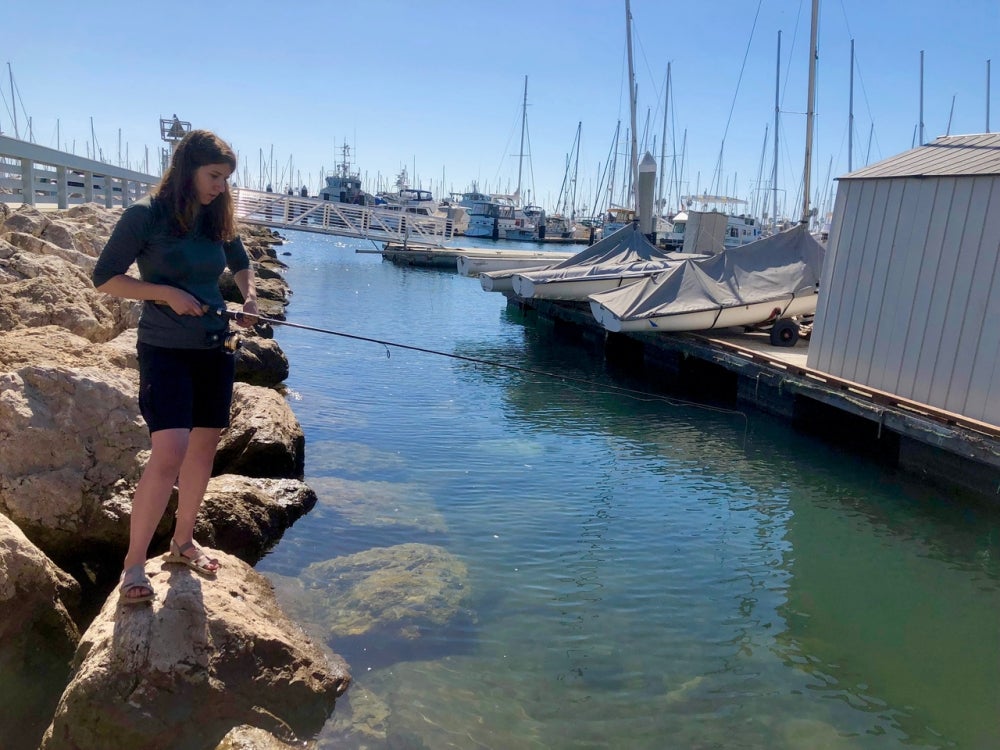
{"type": "Point", "coordinates": [628, 570]}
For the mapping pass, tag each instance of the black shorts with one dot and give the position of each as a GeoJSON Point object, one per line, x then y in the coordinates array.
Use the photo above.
{"type": "Point", "coordinates": [185, 388]}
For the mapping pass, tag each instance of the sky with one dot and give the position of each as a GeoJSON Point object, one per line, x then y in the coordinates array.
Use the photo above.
{"type": "Point", "coordinates": [437, 88]}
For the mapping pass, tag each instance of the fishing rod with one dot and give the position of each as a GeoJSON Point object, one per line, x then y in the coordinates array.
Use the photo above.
{"type": "Point", "coordinates": [241, 317]}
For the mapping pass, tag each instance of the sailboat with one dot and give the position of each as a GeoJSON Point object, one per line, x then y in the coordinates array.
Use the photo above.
{"type": "Point", "coordinates": [622, 258]}
{"type": "Point", "coordinates": [767, 282]}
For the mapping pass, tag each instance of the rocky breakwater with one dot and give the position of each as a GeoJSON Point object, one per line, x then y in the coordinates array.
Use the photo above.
{"type": "Point", "coordinates": [209, 657]}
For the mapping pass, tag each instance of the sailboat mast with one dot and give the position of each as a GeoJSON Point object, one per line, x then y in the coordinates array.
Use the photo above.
{"type": "Point", "coordinates": [13, 101]}
{"type": "Point", "coordinates": [777, 110]}
{"type": "Point", "coordinates": [663, 146]}
{"type": "Point", "coordinates": [811, 111]}
{"type": "Point", "coordinates": [850, 117]}
{"type": "Point", "coordinates": [631, 97]}
{"type": "Point", "coordinates": [524, 122]}
{"type": "Point", "coordinates": [576, 169]}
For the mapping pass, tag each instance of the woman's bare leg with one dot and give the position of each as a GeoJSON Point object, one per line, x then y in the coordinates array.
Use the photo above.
{"type": "Point", "coordinates": [195, 472]}
{"type": "Point", "coordinates": [153, 492]}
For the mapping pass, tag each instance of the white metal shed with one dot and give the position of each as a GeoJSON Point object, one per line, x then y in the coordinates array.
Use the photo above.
{"type": "Point", "coordinates": [910, 293]}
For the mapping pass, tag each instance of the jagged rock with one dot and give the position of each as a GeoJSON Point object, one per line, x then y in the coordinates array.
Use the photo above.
{"type": "Point", "coordinates": [37, 634]}
{"type": "Point", "coordinates": [251, 738]}
{"type": "Point", "coordinates": [39, 290]}
{"type": "Point", "coordinates": [27, 219]}
{"type": "Point", "coordinates": [260, 361]}
{"type": "Point", "coordinates": [56, 346]}
{"type": "Point", "coordinates": [71, 446]}
{"type": "Point", "coordinates": [264, 438]}
{"type": "Point", "coordinates": [206, 656]}
{"type": "Point", "coordinates": [246, 516]}
{"type": "Point", "coordinates": [270, 288]}
{"type": "Point", "coordinates": [43, 246]}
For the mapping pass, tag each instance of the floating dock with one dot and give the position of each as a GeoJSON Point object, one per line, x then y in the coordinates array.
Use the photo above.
{"type": "Point", "coordinates": [429, 256]}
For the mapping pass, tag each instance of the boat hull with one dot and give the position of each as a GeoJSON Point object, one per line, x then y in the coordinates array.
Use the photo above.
{"type": "Point", "coordinates": [474, 265]}
{"type": "Point", "coordinates": [704, 320]}
{"type": "Point", "coordinates": [568, 290]}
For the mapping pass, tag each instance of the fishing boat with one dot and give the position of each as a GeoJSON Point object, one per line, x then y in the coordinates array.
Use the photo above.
{"type": "Point", "coordinates": [622, 258]}
{"type": "Point", "coordinates": [771, 280]}
{"type": "Point", "coordinates": [343, 185]}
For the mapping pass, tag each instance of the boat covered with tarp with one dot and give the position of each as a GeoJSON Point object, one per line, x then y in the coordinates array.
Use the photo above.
{"type": "Point", "coordinates": [622, 258]}
{"type": "Point", "coordinates": [772, 279]}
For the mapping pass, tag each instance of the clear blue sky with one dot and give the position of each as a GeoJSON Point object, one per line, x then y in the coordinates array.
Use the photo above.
{"type": "Point", "coordinates": [436, 86]}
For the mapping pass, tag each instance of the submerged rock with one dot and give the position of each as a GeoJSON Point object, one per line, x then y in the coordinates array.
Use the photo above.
{"type": "Point", "coordinates": [404, 590]}
{"type": "Point", "coordinates": [206, 656]}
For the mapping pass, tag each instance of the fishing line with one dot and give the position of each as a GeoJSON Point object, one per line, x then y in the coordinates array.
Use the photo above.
{"type": "Point", "coordinates": [593, 385]}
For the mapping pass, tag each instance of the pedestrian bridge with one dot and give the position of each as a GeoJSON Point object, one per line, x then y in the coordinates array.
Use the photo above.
{"type": "Point", "coordinates": [282, 211]}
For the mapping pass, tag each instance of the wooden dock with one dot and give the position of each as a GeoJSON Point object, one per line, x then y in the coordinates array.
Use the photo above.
{"type": "Point", "coordinates": [429, 256]}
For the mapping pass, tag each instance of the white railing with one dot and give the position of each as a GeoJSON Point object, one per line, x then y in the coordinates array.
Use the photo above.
{"type": "Point", "coordinates": [283, 211]}
{"type": "Point", "coordinates": [40, 176]}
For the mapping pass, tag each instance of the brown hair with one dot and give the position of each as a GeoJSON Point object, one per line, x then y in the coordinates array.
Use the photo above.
{"type": "Point", "coordinates": [176, 188]}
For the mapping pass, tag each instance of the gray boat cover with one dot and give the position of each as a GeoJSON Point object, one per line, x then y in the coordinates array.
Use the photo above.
{"type": "Point", "coordinates": [776, 267]}
{"type": "Point", "coordinates": [625, 252]}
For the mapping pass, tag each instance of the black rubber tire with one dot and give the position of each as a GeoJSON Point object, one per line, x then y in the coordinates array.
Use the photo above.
{"type": "Point", "coordinates": [784, 332]}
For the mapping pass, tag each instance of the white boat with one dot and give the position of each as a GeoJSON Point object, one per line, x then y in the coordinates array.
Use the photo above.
{"type": "Point", "coordinates": [478, 263]}
{"type": "Point", "coordinates": [527, 221]}
{"type": "Point", "coordinates": [766, 281]}
{"type": "Point", "coordinates": [617, 217]}
{"type": "Point", "coordinates": [558, 226]}
{"type": "Point", "coordinates": [502, 280]}
{"type": "Point", "coordinates": [710, 231]}
{"type": "Point", "coordinates": [624, 257]}
{"type": "Point", "coordinates": [491, 218]}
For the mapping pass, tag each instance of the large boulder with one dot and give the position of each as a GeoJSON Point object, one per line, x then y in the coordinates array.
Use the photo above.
{"type": "Point", "coordinates": [264, 438]}
{"type": "Point", "coordinates": [207, 655]}
{"type": "Point", "coordinates": [246, 516]}
{"type": "Point", "coordinates": [260, 361]}
{"type": "Point", "coordinates": [38, 636]}
{"type": "Point", "coordinates": [252, 738]}
{"type": "Point", "coordinates": [39, 290]}
{"type": "Point", "coordinates": [72, 445]}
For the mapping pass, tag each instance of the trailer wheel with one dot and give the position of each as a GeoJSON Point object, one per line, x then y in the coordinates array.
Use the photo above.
{"type": "Point", "coordinates": [784, 332]}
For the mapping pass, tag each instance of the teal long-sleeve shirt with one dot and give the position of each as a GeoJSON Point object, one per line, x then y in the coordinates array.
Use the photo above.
{"type": "Point", "coordinates": [192, 263]}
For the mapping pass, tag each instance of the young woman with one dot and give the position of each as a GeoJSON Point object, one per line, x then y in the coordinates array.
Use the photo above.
{"type": "Point", "coordinates": [181, 237]}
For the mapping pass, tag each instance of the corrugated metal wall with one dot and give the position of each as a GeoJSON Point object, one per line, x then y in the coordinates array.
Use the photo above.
{"type": "Point", "coordinates": [910, 298]}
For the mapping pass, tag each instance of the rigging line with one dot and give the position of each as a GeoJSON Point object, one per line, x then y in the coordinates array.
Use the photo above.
{"type": "Point", "coordinates": [607, 387]}
{"type": "Point", "coordinates": [732, 106]}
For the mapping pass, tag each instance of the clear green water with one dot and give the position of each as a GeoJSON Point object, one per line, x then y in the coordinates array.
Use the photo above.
{"type": "Point", "coordinates": [640, 574]}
